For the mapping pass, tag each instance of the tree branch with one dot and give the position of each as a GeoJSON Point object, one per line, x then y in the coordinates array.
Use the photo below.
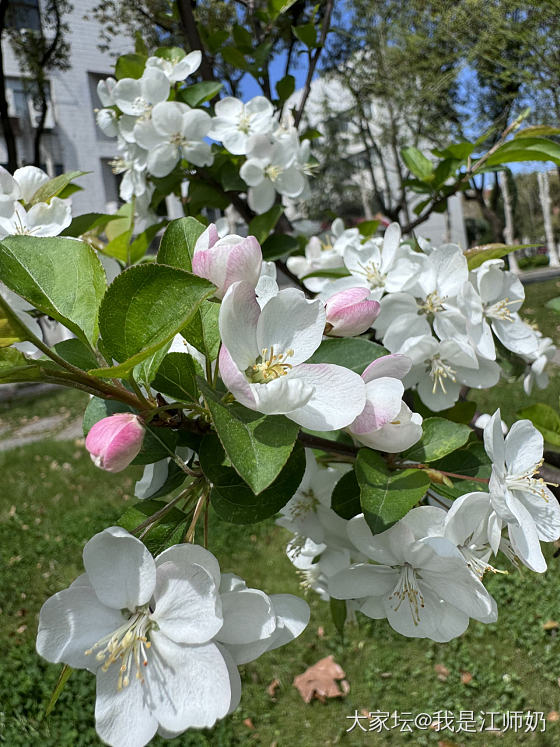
{"type": "Point", "coordinates": [314, 60]}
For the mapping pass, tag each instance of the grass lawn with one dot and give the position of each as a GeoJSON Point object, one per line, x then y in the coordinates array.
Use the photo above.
{"type": "Point", "coordinates": [53, 500]}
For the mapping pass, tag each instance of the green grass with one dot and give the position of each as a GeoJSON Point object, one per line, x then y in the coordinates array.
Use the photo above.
{"type": "Point", "coordinates": [53, 500]}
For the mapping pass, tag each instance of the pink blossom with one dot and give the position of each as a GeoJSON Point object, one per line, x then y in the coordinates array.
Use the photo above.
{"type": "Point", "coordinates": [349, 312]}
{"type": "Point", "coordinates": [115, 441]}
{"type": "Point", "coordinates": [227, 260]}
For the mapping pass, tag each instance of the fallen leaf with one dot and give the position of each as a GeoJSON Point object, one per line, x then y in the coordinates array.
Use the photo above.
{"type": "Point", "coordinates": [386, 675]}
{"type": "Point", "coordinates": [441, 671]}
{"type": "Point", "coordinates": [553, 716]}
{"type": "Point", "coordinates": [550, 625]}
{"type": "Point", "coordinates": [271, 689]}
{"type": "Point", "coordinates": [320, 632]}
{"type": "Point", "coordinates": [466, 677]}
{"type": "Point", "coordinates": [319, 681]}
{"type": "Point", "coordinates": [248, 723]}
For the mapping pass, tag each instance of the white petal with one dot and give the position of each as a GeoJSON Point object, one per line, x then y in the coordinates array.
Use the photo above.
{"type": "Point", "coordinates": [248, 616]}
{"type": "Point", "coordinates": [71, 622]}
{"type": "Point", "coordinates": [261, 198]}
{"type": "Point", "coordinates": [163, 159]}
{"type": "Point", "coordinates": [239, 316]}
{"type": "Point", "coordinates": [187, 604]}
{"type": "Point", "coordinates": [396, 366]}
{"type": "Point", "coordinates": [29, 179]}
{"type": "Point", "coordinates": [229, 108]}
{"type": "Point", "coordinates": [292, 616]}
{"type": "Point", "coordinates": [154, 85]}
{"type": "Point", "coordinates": [284, 395]}
{"type": "Point", "coordinates": [383, 404]}
{"type": "Point", "coordinates": [49, 219]}
{"type": "Point", "coordinates": [362, 580]}
{"type": "Point", "coordinates": [381, 547]}
{"type": "Point", "coordinates": [524, 446]}
{"type": "Point", "coordinates": [338, 396]}
{"type": "Point", "coordinates": [123, 718]}
{"type": "Point", "coordinates": [236, 381]}
{"type": "Point", "coordinates": [290, 322]}
{"type": "Point", "coordinates": [252, 172]}
{"type": "Point", "coordinates": [189, 685]}
{"type": "Point", "coordinates": [494, 440]}
{"type": "Point", "coordinates": [120, 568]}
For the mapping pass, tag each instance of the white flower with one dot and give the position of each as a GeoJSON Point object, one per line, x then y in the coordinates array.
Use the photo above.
{"type": "Point", "coordinates": [105, 90]}
{"type": "Point", "coordinates": [262, 360]}
{"type": "Point", "coordinates": [536, 373]}
{"type": "Point", "coordinates": [520, 499]}
{"type": "Point", "coordinates": [40, 220]}
{"type": "Point", "coordinates": [267, 285]}
{"type": "Point", "coordinates": [163, 636]}
{"type": "Point", "coordinates": [421, 583]}
{"type": "Point", "coordinates": [235, 122]}
{"type": "Point", "coordinates": [490, 302]}
{"type": "Point", "coordinates": [107, 122]}
{"type": "Point", "coordinates": [179, 69]}
{"type": "Point", "coordinates": [138, 96]}
{"type": "Point", "coordinates": [439, 369]}
{"type": "Point", "coordinates": [318, 256]}
{"type": "Point", "coordinates": [9, 193]}
{"type": "Point", "coordinates": [174, 131]}
{"type": "Point", "coordinates": [271, 168]}
{"type": "Point", "coordinates": [391, 268]}
{"type": "Point", "coordinates": [132, 162]}
{"type": "Point", "coordinates": [386, 422]}
{"type": "Point", "coordinates": [429, 301]}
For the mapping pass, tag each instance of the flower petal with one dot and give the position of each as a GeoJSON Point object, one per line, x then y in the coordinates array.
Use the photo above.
{"type": "Point", "coordinates": [248, 616]}
{"type": "Point", "coordinates": [123, 718]}
{"type": "Point", "coordinates": [120, 568]}
{"type": "Point", "coordinates": [239, 316]}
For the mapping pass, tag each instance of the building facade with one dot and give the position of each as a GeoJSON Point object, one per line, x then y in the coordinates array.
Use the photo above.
{"type": "Point", "coordinates": [72, 140]}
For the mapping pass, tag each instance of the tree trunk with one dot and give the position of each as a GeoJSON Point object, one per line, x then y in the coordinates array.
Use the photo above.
{"type": "Point", "coordinates": [508, 228]}
{"type": "Point", "coordinates": [186, 16]}
{"type": "Point", "coordinates": [7, 129]}
{"type": "Point", "coordinates": [544, 193]}
{"type": "Point", "coordinates": [39, 131]}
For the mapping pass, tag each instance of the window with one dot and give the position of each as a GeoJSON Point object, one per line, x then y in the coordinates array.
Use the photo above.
{"type": "Point", "coordinates": [23, 14]}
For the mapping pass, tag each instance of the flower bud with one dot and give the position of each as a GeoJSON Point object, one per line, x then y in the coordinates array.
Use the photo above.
{"type": "Point", "coordinates": [349, 313]}
{"type": "Point", "coordinates": [113, 442]}
{"type": "Point", "coordinates": [225, 261]}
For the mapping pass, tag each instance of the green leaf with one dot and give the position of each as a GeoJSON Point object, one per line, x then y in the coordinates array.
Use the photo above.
{"type": "Point", "coordinates": [545, 419]}
{"type": "Point", "coordinates": [338, 613]}
{"type": "Point", "coordinates": [459, 151]}
{"type": "Point", "coordinates": [461, 412]}
{"type": "Point", "coordinates": [554, 304]}
{"type": "Point", "coordinates": [77, 353]}
{"type": "Point", "coordinates": [306, 33]}
{"type": "Point", "coordinates": [63, 678]}
{"type": "Point", "coordinates": [439, 437]}
{"type": "Point", "coordinates": [141, 243]}
{"type": "Point", "coordinates": [418, 164]}
{"type": "Point", "coordinates": [258, 445]}
{"type": "Point", "coordinates": [175, 478]}
{"type": "Point", "coordinates": [285, 87]}
{"type": "Point", "coordinates": [262, 225]}
{"type": "Point", "coordinates": [368, 228]}
{"type": "Point", "coordinates": [178, 242]}
{"type": "Point", "coordinates": [61, 277]}
{"type": "Point", "coordinates": [230, 179]}
{"type": "Point", "coordinates": [152, 449]}
{"type": "Point", "coordinates": [203, 332]}
{"type": "Point", "coordinates": [345, 500]}
{"type": "Point", "coordinates": [11, 329]}
{"type": "Point", "coordinates": [172, 54]}
{"type": "Point", "coordinates": [278, 245]}
{"type": "Point", "coordinates": [130, 66]}
{"type": "Point", "coordinates": [480, 254]}
{"type": "Point", "coordinates": [472, 461]}
{"type": "Point", "coordinates": [525, 149]}
{"type": "Point", "coordinates": [146, 370]}
{"type": "Point", "coordinates": [176, 377]}
{"type": "Point", "coordinates": [242, 38]}
{"type": "Point", "coordinates": [234, 57]}
{"type": "Point", "coordinates": [536, 131]}
{"type": "Point", "coordinates": [355, 353]}
{"type": "Point", "coordinates": [168, 531]}
{"type": "Point", "coordinates": [333, 272]}
{"type": "Point", "coordinates": [16, 368]}
{"type": "Point", "coordinates": [145, 307]}
{"type": "Point", "coordinates": [232, 499]}
{"type": "Point", "coordinates": [88, 222]}
{"type": "Point", "coordinates": [54, 187]}
{"type": "Point", "coordinates": [387, 496]}
{"type": "Point", "coordinates": [277, 7]}
{"type": "Point", "coordinates": [199, 93]}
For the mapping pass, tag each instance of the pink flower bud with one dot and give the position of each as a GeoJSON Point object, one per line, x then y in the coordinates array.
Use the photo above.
{"type": "Point", "coordinates": [225, 261]}
{"type": "Point", "coordinates": [349, 313]}
{"type": "Point", "coordinates": [113, 442]}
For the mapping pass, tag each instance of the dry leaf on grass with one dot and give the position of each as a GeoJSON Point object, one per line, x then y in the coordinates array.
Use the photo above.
{"type": "Point", "coordinates": [466, 677]}
{"type": "Point", "coordinates": [271, 689]}
{"type": "Point", "coordinates": [441, 671]}
{"type": "Point", "coordinates": [550, 625]}
{"type": "Point", "coordinates": [319, 681]}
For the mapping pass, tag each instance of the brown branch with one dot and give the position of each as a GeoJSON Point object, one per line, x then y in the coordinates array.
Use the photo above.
{"type": "Point", "coordinates": [314, 60]}
{"type": "Point", "coordinates": [185, 9]}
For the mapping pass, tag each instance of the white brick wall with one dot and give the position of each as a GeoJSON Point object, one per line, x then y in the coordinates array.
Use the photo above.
{"type": "Point", "coordinates": [75, 142]}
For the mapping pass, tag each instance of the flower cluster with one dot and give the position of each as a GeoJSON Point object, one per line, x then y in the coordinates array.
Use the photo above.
{"type": "Point", "coordinates": [156, 130]}
{"type": "Point", "coordinates": [20, 210]}
{"type": "Point", "coordinates": [424, 574]}
{"type": "Point", "coordinates": [454, 325]}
